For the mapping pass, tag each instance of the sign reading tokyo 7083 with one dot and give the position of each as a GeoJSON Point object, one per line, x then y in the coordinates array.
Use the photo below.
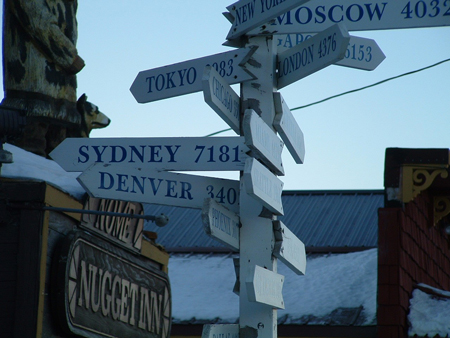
{"type": "Point", "coordinates": [186, 77]}
{"type": "Point", "coordinates": [317, 15]}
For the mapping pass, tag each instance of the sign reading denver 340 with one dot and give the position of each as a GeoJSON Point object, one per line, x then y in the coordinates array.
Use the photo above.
{"type": "Point", "coordinates": [317, 15]}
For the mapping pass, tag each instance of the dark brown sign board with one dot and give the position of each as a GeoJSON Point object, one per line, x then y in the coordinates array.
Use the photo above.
{"type": "Point", "coordinates": [101, 290]}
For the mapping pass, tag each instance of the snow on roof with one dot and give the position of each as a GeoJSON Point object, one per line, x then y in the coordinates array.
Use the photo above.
{"type": "Point", "coordinates": [429, 313]}
{"type": "Point", "coordinates": [202, 288]}
{"type": "Point", "coordinates": [31, 166]}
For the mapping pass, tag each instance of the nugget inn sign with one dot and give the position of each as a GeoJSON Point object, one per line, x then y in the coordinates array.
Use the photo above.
{"type": "Point", "coordinates": [106, 292]}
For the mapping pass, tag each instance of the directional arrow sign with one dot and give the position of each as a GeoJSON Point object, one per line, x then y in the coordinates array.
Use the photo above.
{"type": "Point", "coordinates": [312, 55]}
{"type": "Point", "coordinates": [163, 153]}
{"type": "Point", "coordinates": [263, 141]}
{"type": "Point", "coordinates": [265, 286]}
{"type": "Point", "coordinates": [289, 249]}
{"type": "Point", "coordinates": [317, 15]}
{"type": "Point", "coordinates": [220, 331]}
{"type": "Point", "coordinates": [287, 127]}
{"type": "Point", "coordinates": [186, 77]}
{"type": "Point", "coordinates": [221, 97]}
{"type": "Point", "coordinates": [220, 223]}
{"type": "Point", "coordinates": [249, 14]}
{"type": "Point", "coordinates": [361, 53]}
{"type": "Point", "coordinates": [122, 182]}
{"type": "Point", "coordinates": [264, 186]}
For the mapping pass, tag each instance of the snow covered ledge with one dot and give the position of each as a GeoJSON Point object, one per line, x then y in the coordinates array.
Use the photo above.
{"type": "Point", "coordinates": [28, 165]}
{"type": "Point", "coordinates": [429, 314]}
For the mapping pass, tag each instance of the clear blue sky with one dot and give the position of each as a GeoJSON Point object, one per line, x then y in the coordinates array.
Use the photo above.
{"type": "Point", "coordinates": [345, 137]}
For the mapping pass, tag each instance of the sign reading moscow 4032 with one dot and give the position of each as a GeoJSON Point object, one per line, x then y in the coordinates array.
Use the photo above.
{"type": "Point", "coordinates": [100, 290]}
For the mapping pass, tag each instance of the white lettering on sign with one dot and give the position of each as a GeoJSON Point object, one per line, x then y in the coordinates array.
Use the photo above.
{"type": "Point", "coordinates": [265, 286]}
{"type": "Point", "coordinates": [220, 331]}
{"type": "Point", "coordinates": [220, 223]}
{"type": "Point", "coordinates": [263, 185]}
{"type": "Point", "coordinates": [317, 15]}
{"type": "Point", "coordinates": [186, 77]}
{"type": "Point", "coordinates": [361, 53]}
{"type": "Point", "coordinates": [165, 153]}
{"type": "Point", "coordinates": [221, 97]}
{"type": "Point", "coordinates": [312, 55]}
{"type": "Point", "coordinates": [122, 182]}
{"type": "Point", "coordinates": [287, 127]}
{"type": "Point", "coordinates": [265, 143]}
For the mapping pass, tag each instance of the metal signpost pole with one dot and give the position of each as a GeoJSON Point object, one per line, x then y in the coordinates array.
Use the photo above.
{"type": "Point", "coordinates": [256, 235]}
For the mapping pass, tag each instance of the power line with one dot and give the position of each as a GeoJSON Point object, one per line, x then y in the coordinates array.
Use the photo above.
{"type": "Point", "coordinates": [353, 90]}
{"type": "Point", "coordinates": [372, 85]}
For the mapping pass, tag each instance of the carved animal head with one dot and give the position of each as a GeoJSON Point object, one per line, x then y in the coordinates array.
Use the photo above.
{"type": "Point", "coordinates": [91, 117]}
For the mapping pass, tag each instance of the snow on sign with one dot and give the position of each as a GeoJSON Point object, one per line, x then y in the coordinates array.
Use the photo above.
{"type": "Point", "coordinates": [221, 223]}
{"type": "Point", "coordinates": [265, 286]}
{"type": "Point", "coordinates": [186, 77]}
{"type": "Point", "coordinates": [122, 182]}
{"type": "Point", "coordinates": [164, 153]}
{"type": "Point", "coordinates": [361, 53]}
{"type": "Point", "coordinates": [220, 331]}
{"type": "Point", "coordinates": [221, 97]}
{"type": "Point", "coordinates": [249, 14]}
{"type": "Point", "coordinates": [264, 186]}
{"type": "Point", "coordinates": [288, 248]}
{"type": "Point", "coordinates": [287, 127]}
{"type": "Point", "coordinates": [317, 15]}
{"type": "Point", "coordinates": [263, 141]}
{"type": "Point", "coordinates": [312, 55]}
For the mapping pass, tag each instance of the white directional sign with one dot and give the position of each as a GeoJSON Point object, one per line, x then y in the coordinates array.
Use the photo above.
{"type": "Point", "coordinates": [289, 249]}
{"type": "Point", "coordinates": [221, 223]}
{"type": "Point", "coordinates": [264, 186]}
{"type": "Point", "coordinates": [220, 331]}
{"type": "Point", "coordinates": [186, 77]}
{"type": "Point", "coordinates": [164, 153]}
{"type": "Point", "coordinates": [265, 286]}
{"type": "Point", "coordinates": [122, 182]}
{"type": "Point", "coordinates": [221, 97]}
{"type": "Point", "coordinates": [361, 53]}
{"type": "Point", "coordinates": [249, 14]}
{"type": "Point", "coordinates": [263, 141]}
{"type": "Point", "coordinates": [287, 127]}
{"type": "Point", "coordinates": [312, 55]}
{"type": "Point", "coordinates": [317, 15]}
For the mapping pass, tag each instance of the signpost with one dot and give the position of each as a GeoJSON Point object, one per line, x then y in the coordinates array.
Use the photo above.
{"type": "Point", "coordinates": [289, 249]}
{"type": "Point", "coordinates": [221, 97]}
{"type": "Point", "coordinates": [264, 186]}
{"type": "Point", "coordinates": [263, 141]}
{"type": "Point", "coordinates": [249, 14]}
{"type": "Point", "coordinates": [164, 153]}
{"type": "Point", "coordinates": [265, 286]}
{"type": "Point", "coordinates": [186, 77]}
{"type": "Point", "coordinates": [122, 182]}
{"type": "Point", "coordinates": [287, 127]}
{"type": "Point", "coordinates": [317, 15]}
{"type": "Point", "coordinates": [361, 53]}
{"type": "Point", "coordinates": [221, 224]}
{"type": "Point", "coordinates": [312, 55]}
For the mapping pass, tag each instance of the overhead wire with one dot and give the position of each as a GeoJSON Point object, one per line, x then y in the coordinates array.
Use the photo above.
{"type": "Point", "coordinates": [353, 90]}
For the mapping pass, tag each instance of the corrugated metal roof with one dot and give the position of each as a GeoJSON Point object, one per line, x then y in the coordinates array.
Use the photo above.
{"type": "Point", "coordinates": [320, 219]}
